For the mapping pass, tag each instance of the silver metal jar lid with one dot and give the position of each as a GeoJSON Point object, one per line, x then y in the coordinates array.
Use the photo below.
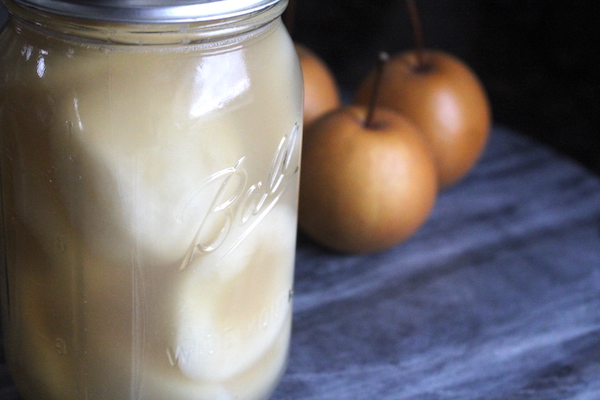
{"type": "Point", "coordinates": [149, 11]}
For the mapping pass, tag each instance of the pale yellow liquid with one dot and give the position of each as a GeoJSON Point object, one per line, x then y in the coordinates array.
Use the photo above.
{"type": "Point", "coordinates": [150, 216]}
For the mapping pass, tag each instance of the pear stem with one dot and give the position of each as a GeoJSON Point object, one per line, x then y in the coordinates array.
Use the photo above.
{"type": "Point", "coordinates": [417, 29]}
{"type": "Point", "coordinates": [383, 59]}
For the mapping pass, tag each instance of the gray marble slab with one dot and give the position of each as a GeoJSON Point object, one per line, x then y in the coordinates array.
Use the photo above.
{"type": "Point", "coordinates": [496, 297]}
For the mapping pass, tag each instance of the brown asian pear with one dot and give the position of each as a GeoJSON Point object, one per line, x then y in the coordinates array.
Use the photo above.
{"type": "Point", "coordinates": [321, 93]}
{"type": "Point", "coordinates": [444, 99]}
{"type": "Point", "coordinates": [364, 188]}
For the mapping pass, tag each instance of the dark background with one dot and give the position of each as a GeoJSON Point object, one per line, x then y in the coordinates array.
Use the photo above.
{"type": "Point", "coordinates": [538, 60]}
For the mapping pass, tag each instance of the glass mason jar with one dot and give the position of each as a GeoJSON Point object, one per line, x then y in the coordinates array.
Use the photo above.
{"type": "Point", "coordinates": [149, 155]}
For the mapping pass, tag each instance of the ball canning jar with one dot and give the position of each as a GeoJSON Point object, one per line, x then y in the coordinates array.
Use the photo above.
{"type": "Point", "coordinates": [149, 157]}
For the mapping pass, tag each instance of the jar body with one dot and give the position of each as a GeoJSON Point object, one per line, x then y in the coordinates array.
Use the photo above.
{"type": "Point", "coordinates": [149, 200]}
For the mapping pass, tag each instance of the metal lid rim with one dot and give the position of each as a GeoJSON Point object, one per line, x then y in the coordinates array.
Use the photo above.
{"type": "Point", "coordinates": [180, 11]}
